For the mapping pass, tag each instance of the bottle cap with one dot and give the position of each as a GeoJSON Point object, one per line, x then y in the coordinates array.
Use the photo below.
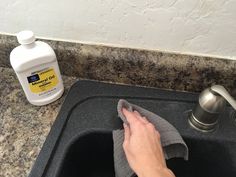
{"type": "Point", "coordinates": [25, 37]}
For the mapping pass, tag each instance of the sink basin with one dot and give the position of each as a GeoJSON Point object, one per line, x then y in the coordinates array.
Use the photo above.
{"type": "Point", "coordinates": [91, 151]}
{"type": "Point", "coordinates": [91, 155]}
{"type": "Point", "coordinates": [80, 142]}
{"type": "Point", "coordinates": [207, 158]}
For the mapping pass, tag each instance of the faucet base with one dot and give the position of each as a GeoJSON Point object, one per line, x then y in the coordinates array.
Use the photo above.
{"type": "Point", "coordinates": [196, 124]}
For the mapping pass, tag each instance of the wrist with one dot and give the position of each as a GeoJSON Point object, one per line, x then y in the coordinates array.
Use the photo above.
{"type": "Point", "coordinates": [162, 172]}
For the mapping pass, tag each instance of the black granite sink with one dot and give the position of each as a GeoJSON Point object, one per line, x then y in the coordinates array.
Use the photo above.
{"type": "Point", "coordinates": [80, 142]}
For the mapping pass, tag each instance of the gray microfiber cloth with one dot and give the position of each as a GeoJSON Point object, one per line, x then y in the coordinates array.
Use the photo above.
{"type": "Point", "coordinates": [172, 143]}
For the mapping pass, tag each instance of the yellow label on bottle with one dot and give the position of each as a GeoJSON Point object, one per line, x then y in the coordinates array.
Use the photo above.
{"type": "Point", "coordinates": [43, 80]}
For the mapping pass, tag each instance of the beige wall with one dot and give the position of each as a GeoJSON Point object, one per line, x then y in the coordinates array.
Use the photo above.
{"type": "Point", "coordinates": [188, 26]}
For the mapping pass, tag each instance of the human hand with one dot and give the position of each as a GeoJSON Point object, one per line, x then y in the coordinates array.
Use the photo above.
{"type": "Point", "coordinates": [143, 148]}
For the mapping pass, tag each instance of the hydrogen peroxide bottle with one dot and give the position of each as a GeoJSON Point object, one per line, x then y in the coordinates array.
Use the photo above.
{"type": "Point", "coordinates": [36, 67]}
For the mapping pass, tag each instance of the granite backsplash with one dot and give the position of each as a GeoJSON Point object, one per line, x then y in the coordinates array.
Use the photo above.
{"type": "Point", "coordinates": [134, 66]}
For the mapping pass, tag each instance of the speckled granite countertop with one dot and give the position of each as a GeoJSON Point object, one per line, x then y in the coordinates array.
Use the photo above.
{"type": "Point", "coordinates": [151, 68]}
{"type": "Point", "coordinates": [23, 127]}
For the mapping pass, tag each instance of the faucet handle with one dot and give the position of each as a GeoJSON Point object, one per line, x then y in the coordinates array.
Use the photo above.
{"type": "Point", "coordinates": [225, 94]}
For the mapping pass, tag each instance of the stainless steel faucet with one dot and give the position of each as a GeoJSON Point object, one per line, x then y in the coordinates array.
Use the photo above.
{"type": "Point", "coordinates": [212, 102]}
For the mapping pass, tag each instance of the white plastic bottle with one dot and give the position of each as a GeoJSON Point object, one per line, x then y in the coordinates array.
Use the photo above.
{"type": "Point", "coordinates": [36, 67]}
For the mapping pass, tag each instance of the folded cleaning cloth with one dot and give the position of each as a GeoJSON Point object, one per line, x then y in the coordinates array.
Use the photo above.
{"type": "Point", "coordinates": [172, 143]}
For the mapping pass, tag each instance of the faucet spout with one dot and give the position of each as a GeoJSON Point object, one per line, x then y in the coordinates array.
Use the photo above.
{"type": "Point", "coordinates": [225, 94]}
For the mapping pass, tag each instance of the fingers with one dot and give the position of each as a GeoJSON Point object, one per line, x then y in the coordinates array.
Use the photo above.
{"type": "Point", "coordinates": [142, 119]}
{"type": "Point", "coordinates": [126, 134]}
{"type": "Point", "coordinates": [134, 117]}
{"type": "Point", "coordinates": [130, 117]}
